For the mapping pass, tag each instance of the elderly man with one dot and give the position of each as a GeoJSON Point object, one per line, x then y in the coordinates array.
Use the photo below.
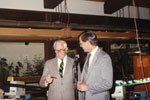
{"type": "Point", "coordinates": [58, 74]}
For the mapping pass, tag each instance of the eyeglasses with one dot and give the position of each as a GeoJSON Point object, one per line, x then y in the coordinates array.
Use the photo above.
{"type": "Point", "coordinates": [60, 50]}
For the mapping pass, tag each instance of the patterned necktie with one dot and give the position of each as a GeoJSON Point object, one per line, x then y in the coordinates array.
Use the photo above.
{"type": "Point", "coordinates": [87, 63]}
{"type": "Point", "coordinates": [88, 60]}
{"type": "Point", "coordinates": [61, 68]}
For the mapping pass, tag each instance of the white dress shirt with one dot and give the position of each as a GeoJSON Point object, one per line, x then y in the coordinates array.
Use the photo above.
{"type": "Point", "coordinates": [92, 55]}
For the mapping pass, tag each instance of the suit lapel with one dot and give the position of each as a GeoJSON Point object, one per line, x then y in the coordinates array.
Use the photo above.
{"type": "Point", "coordinates": [84, 74]}
{"type": "Point", "coordinates": [55, 68]}
{"type": "Point", "coordinates": [85, 71]}
{"type": "Point", "coordinates": [96, 57]}
{"type": "Point", "coordinates": [67, 66]}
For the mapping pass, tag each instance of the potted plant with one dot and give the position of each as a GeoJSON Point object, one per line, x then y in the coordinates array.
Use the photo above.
{"type": "Point", "coordinates": [4, 72]}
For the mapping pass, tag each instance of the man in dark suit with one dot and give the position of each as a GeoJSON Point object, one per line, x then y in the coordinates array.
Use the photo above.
{"type": "Point", "coordinates": [58, 74]}
{"type": "Point", "coordinates": [97, 74]}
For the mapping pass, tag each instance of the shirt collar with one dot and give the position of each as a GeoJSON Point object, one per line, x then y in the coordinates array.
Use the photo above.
{"type": "Point", "coordinates": [64, 59]}
{"type": "Point", "coordinates": [94, 51]}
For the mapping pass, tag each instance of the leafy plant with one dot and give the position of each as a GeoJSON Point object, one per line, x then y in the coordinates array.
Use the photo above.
{"type": "Point", "coordinates": [15, 71]}
{"type": "Point", "coordinates": [35, 67]}
{"type": "Point", "coordinates": [4, 72]}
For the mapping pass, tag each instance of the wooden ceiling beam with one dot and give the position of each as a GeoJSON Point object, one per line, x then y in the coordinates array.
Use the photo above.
{"type": "Point", "coordinates": [67, 34]}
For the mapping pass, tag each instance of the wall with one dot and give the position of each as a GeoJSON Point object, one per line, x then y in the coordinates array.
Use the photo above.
{"type": "Point", "coordinates": [15, 52]}
{"type": "Point", "coordinates": [77, 7]}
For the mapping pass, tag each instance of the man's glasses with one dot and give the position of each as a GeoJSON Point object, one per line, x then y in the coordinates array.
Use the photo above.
{"type": "Point", "coordinates": [60, 50]}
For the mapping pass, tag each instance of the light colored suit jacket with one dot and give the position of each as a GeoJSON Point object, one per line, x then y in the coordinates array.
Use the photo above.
{"type": "Point", "coordinates": [99, 77]}
{"type": "Point", "coordinates": [60, 88]}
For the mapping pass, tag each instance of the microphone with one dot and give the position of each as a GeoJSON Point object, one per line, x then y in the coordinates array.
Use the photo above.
{"type": "Point", "coordinates": [76, 61]}
{"type": "Point", "coordinates": [76, 57]}
{"type": "Point", "coordinates": [75, 71]}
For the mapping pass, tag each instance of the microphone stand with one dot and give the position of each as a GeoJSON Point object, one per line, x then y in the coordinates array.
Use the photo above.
{"type": "Point", "coordinates": [75, 70]}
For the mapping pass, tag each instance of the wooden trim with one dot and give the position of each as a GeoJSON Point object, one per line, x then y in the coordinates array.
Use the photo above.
{"type": "Point", "coordinates": [51, 34]}
{"type": "Point", "coordinates": [97, 0]}
{"type": "Point", "coordinates": [28, 78]}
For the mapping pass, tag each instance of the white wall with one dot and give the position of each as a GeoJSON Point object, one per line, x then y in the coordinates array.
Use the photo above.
{"type": "Point", "coordinates": [19, 51]}
{"type": "Point", "coordinates": [15, 52]}
{"type": "Point", "coordinates": [75, 6]}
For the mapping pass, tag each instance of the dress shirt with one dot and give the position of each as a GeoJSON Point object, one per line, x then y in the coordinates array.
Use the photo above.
{"type": "Point", "coordinates": [92, 55]}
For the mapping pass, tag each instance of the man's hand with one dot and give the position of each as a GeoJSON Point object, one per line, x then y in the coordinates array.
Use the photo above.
{"type": "Point", "coordinates": [49, 79]}
{"type": "Point", "coordinates": [82, 87]}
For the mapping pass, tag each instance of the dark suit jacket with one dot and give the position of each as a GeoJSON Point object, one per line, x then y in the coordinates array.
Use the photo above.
{"type": "Point", "coordinates": [99, 77]}
{"type": "Point", "coordinates": [60, 88]}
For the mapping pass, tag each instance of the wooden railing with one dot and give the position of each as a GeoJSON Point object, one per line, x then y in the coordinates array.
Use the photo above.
{"type": "Point", "coordinates": [28, 79]}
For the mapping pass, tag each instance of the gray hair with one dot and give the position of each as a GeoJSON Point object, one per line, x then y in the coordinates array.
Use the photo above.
{"type": "Point", "coordinates": [89, 36]}
{"type": "Point", "coordinates": [60, 41]}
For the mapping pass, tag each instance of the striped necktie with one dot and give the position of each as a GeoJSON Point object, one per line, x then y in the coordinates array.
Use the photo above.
{"type": "Point", "coordinates": [61, 68]}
